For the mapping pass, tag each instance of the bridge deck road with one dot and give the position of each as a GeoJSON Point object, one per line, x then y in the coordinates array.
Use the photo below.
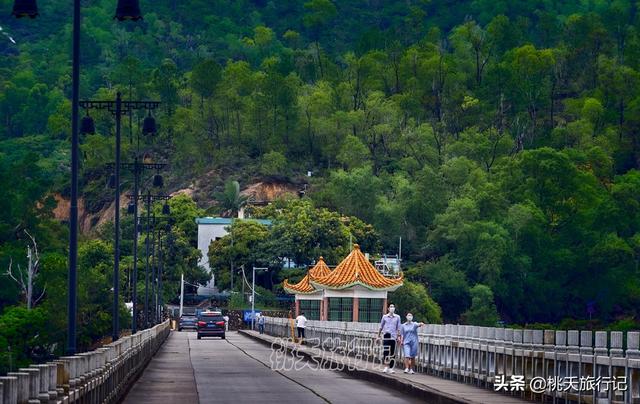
{"type": "Point", "coordinates": [237, 370]}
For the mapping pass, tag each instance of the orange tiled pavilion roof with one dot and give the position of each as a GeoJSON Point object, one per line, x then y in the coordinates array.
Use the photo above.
{"type": "Point", "coordinates": [355, 269]}
{"type": "Point", "coordinates": [320, 269]}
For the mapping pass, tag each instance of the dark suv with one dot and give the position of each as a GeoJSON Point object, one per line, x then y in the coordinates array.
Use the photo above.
{"type": "Point", "coordinates": [210, 324]}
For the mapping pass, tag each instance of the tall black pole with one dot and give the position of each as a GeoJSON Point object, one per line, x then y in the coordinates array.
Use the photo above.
{"type": "Point", "coordinates": [154, 296]}
{"type": "Point", "coordinates": [159, 318]}
{"type": "Point", "coordinates": [72, 301]}
{"type": "Point", "coordinates": [115, 317]}
{"type": "Point", "coordinates": [146, 265]}
{"type": "Point", "coordinates": [134, 299]}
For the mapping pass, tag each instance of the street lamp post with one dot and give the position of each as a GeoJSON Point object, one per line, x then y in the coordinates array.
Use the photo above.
{"type": "Point", "coordinates": [117, 108]}
{"type": "Point", "coordinates": [149, 199]}
{"type": "Point", "coordinates": [125, 10]}
{"type": "Point", "coordinates": [159, 273]}
{"type": "Point", "coordinates": [137, 168]}
{"type": "Point", "coordinates": [160, 268]}
{"type": "Point", "coordinates": [253, 295]}
{"type": "Point", "coordinates": [153, 268]}
{"type": "Point", "coordinates": [146, 264]}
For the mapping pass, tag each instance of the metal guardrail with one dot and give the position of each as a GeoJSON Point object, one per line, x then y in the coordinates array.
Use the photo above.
{"type": "Point", "coordinates": [100, 376]}
{"type": "Point", "coordinates": [484, 356]}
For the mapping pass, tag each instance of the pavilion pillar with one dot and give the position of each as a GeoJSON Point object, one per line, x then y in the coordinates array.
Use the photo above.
{"type": "Point", "coordinates": [325, 312]}
{"type": "Point", "coordinates": [356, 308]}
{"type": "Point", "coordinates": [297, 307]}
{"type": "Point", "coordinates": [384, 305]}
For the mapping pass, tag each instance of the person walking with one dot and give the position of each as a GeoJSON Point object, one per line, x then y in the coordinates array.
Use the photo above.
{"type": "Point", "coordinates": [261, 323]}
{"type": "Point", "coordinates": [389, 328]}
{"type": "Point", "coordinates": [409, 340]}
{"type": "Point", "coordinates": [301, 324]}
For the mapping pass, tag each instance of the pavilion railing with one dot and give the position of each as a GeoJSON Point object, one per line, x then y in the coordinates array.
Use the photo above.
{"type": "Point", "coordinates": [579, 366]}
{"type": "Point", "coordinates": [99, 376]}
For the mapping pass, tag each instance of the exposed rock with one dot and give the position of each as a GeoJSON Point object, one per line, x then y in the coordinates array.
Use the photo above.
{"type": "Point", "coordinates": [268, 191]}
{"type": "Point", "coordinates": [259, 192]}
{"type": "Point", "coordinates": [86, 222]}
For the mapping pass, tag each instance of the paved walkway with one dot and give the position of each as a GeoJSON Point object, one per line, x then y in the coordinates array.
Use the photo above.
{"type": "Point", "coordinates": [437, 389]}
{"type": "Point", "coordinates": [169, 376]}
{"type": "Point", "coordinates": [238, 370]}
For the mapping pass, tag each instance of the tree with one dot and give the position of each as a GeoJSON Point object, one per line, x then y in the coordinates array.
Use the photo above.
{"type": "Point", "coordinates": [274, 163]}
{"type": "Point", "coordinates": [230, 199]}
{"type": "Point", "coordinates": [165, 80]}
{"type": "Point", "coordinates": [246, 245]}
{"type": "Point", "coordinates": [353, 153]}
{"type": "Point", "coordinates": [483, 309]}
{"type": "Point", "coordinates": [319, 15]}
{"type": "Point", "coordinates": [413, 298]}
{"type": "Point", "coordinates": [531, 71]}
{"type": "Point", "coordinates": [447, 285]}
{"type": "Point", "coordinates": [27, 278]}
{"type": "Point", "coordinates": [471, 35]}
{"type": "Point", "coordinates": [205, 78]}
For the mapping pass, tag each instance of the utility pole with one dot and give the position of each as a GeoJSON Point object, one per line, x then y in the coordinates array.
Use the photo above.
{"type": "Point", "coordinates": [146, 264]}
{"type": "Point", "coordinates": [160, 269]}
{"type": "Point", "coordinates": [115, 315]}
{"type": "Point", "coordinates": [253, 296]}
{"type": "Point", "coordinates": [154, 296]}
{"type": "Point", "coordinates": [117, 108]}
{"type": "Point", "coordinates": [149, 199]}
{"type": "Point", "coordinates": [400, 254]}
{"type": "Point", "coordinates": [232, 261]}
{"type": "Point", "coordinates": [181, 293]}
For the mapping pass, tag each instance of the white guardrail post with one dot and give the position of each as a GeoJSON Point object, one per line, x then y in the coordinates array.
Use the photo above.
{"type": "Point", "coordinates": [480, 355]}
{"type": "Point", "coordinates": [100, 376]}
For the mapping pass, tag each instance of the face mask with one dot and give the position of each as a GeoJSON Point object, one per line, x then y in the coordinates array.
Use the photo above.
{"type": "Point", "coordinates": [392, 310]}
{"type": "Point", "coordinates": [409, 318]}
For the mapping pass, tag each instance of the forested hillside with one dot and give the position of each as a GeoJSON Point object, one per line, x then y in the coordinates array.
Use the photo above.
{"type": "Point", "coordinates": [499, 139]}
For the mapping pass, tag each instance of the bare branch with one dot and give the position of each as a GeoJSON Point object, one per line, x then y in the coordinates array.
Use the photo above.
{"type": "Point", "coordinates": [44, 289]}
{"type": "Point", "coordinates": [20, 279]}
{"type": "Point", "coordinates": [35, 248]}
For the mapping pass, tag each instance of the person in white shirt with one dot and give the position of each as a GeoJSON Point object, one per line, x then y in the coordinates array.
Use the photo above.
{"type": "Point", "coordinates": [301, 323]}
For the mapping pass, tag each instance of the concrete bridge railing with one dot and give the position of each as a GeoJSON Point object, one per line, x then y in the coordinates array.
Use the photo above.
{"type": "Point", "coordinates": [100, 376]}
{"type": "Point", "coordinates": [579, 366]}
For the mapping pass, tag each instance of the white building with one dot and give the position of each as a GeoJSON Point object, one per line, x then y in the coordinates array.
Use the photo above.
{"type": "Point", "coordinates": [210, 229]}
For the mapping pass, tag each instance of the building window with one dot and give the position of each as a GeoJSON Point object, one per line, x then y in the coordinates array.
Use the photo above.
{"type": "Point", "coordinates": [340, 309]}
{"type": "Point", "coordinates": [369, 310]}
{"type": "Point", "coordinates": [311, 309]}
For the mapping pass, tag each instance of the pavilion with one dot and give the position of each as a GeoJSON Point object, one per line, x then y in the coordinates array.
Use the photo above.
{"type": "Point", "coordinates": [353, 291]}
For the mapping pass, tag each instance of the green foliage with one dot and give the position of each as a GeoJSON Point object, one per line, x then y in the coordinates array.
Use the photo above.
{"type": "Point", "coordinates": [413, 298]}
{"type": "Point", "coordinates": [300, 232]}
{"type": "Point", "coordinates": [24, 337]}
{"type": "Point", "coordinates": [230, 199]}
{"type": "Point", "coordinates": [447, 286]}
{"type": "Point", "coordinates": [274, 163]}
{"type": "Point", "coordinates": [502, 148]}
{"type": "Point", "coordinates": [483, 309]}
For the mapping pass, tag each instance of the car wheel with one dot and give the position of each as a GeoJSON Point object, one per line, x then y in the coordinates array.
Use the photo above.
{"type": "Point", "coordinates": [199, 337]}
{"type": "Point", "coordinates": [222, 337]}
{"type": "Point", "coordinates": [179, 329]}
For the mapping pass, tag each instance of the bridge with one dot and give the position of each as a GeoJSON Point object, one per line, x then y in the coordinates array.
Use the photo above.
{"type": "Point", "coordinates": [339, 362]}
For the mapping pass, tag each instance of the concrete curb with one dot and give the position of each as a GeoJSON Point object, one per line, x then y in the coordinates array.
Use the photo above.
{"type": "Point", "coordinates": [413, 389]}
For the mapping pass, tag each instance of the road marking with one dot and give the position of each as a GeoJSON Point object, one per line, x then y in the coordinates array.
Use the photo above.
{"type": "Point", "coordinates": [193, 370]}
{"type": "Point", "coordinates": [277, 371]}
